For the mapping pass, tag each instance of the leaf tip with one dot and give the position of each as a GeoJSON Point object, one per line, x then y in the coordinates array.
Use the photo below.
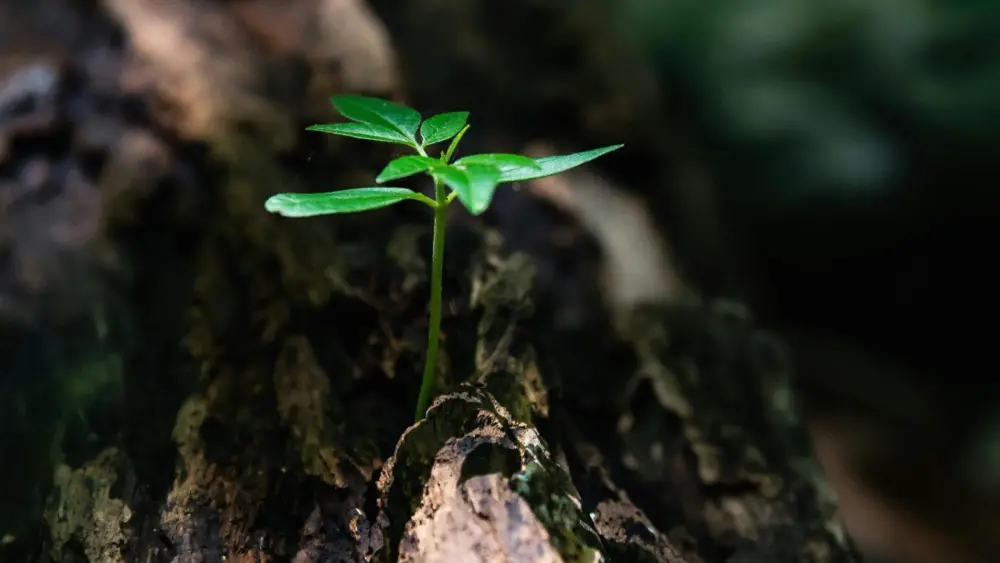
{"type": "Point", "coordinates": [276, 204]}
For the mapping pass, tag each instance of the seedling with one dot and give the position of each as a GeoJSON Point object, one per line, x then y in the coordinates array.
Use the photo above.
{"type": "Point", "coordinates": [471, 179]}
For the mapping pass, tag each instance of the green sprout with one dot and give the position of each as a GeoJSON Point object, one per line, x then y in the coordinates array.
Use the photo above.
{"type": "Point", "coordinates": [472, 179]}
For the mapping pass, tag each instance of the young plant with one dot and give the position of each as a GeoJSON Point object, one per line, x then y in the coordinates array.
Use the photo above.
{"type": "Point", "coordinates": [471, 179]}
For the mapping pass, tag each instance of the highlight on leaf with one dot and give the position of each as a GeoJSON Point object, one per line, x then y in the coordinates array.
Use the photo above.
{"type": "Point", "coordinates": [343, 201]}
{"type": "Point", "coordinates": [442, 127]}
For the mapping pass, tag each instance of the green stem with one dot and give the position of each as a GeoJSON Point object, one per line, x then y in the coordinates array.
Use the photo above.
{"type": "Point", "coordinates": [429, 380]}
{"type": "Point", "coordinates": [424, 199]}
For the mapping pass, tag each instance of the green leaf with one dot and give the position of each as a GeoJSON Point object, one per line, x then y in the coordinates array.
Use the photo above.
{"type": "Point", "coordinates": [483, 179]}
{"type": "Point", "coordinates": [365, 131]}
{"type": "Point", "coordinates": [505, 162]}
{"type": "Point", "coordinates": [344, 201]}
{"type": "Point", "coordinates": [442, 127]}
{"type": "Point", "coordinates": [454, 178]}
{"type": "Point", "coordinates": [446, 157]}
{"type": "Point", "coordinates": [375, 111]}
{"type": "Point", "coordinates": [551, 165]}
{"type": "Point", "coordinates": [473, 184]}
{"type": "Point", "coordinates": [406, 166]}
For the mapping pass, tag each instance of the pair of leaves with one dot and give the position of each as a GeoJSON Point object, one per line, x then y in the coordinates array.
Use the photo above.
{"type": "Point", "coordinates": [373, 119]}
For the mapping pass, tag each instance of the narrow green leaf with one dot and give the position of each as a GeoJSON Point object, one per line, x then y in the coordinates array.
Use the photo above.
{"type": "Point", "coordinates": [365, 131]}
{"type": "Point", "coordinates": [344, 201]}
{"type": "Point", "coordinates": [446, 155]}
{"type": "Point", "coordinates": [551, 165]}
{"type": "Point", "coordinates": [483, 180]}
{"type": "Point", "coordinates": [375, 111]}
{"type": "Point", "coordinates": [406, 166]}
{"type": "Point", "coordinates": [505, 162]}
{"type": "Point", "coordinates": [442, 127]}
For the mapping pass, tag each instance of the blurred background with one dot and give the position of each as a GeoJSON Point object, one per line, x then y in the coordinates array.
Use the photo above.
{"type": "Point", "coordinates": [829, 166]}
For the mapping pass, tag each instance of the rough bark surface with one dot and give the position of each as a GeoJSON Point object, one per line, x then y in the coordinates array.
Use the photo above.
{"type": "Point", "coordinates": [223, 384]}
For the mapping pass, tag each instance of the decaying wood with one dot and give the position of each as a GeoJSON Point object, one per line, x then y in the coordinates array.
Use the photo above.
{"type": "Point", "coordinates": [739, 450]}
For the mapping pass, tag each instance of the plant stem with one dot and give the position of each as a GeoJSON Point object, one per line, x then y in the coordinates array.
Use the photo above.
{"type": "Point", "coordinates": [429, 380]}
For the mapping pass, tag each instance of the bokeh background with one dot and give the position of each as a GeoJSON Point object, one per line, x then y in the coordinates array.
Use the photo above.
{"type": "Point", "coordinates": [828, 168]}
